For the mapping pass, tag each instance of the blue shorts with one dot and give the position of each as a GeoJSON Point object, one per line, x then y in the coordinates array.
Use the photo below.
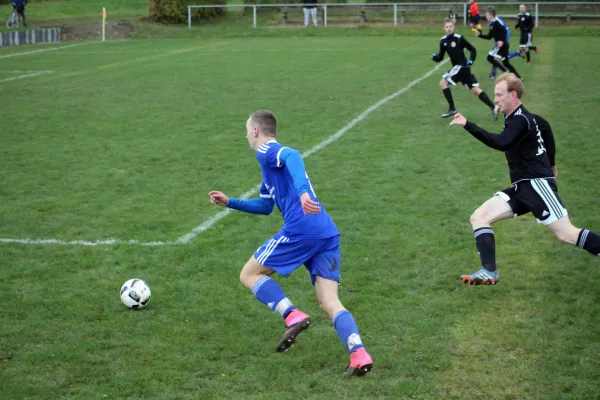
{"type": "Point", "coordinates": [475, 19]}
{"type": "Point", "coordinates": [283, 254]}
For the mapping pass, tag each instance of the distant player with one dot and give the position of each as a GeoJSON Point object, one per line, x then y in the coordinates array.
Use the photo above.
{"type": "Point", "coordinates": [474, 16]}
{"type": "Point", "coordinates": [525, 24]}
{"type": "Point", "coordinates": [309, 236]}
{"type": "Point", "coordinates": [498, 32]}
{"type": "Point", "coordinates": [532, 173]}
{"type": "Point", "coordinates": [455, 46]}
{"type": "Point", "coordinates": [494, 73]}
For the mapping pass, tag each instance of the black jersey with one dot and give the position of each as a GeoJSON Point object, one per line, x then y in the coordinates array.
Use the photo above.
{"type": "Point", "coordinates": [525, 23]}
{"type": "Point", "coordinates": [455, 46]}
{"type": "Point", "coordinates": [522, 144]}
{"type": "Point", "coordinates": [498, 31]}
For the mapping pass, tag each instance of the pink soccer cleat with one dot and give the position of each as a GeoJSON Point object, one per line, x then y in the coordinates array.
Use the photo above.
{"type": "Point", "coordinates": [295, 323]}
{"type": "Point", "coordinates": [360, 363]}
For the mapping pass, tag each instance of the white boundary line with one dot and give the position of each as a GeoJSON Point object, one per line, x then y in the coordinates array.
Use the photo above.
{"type": "Point", "coordinates": [222, 214]}
{"type": "Point", "coordinates": [14, 78]}
{"type": "Point", "coordinates": [26, 53]}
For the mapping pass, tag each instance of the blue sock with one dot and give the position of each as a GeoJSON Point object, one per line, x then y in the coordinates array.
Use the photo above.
{"type": "Point", "coordinates": [514, 54]}
{"type": "Point", "coordinates": [270, 293]}
{"type": "Point", "coordinates": [344, 324]}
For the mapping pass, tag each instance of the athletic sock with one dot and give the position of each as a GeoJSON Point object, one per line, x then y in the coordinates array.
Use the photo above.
{"type": "Point", "coordinates": [270, 293]}
{"type": "Point", "coordinates": [486, 245]}
{"type": "Point", "coordinates": [589, 241]}
{"type": "Point", "coordinates": [448, 95]}
{"type": "Point", "coordinates": [345, 326]}
{"type": "Point", "coordinates": [486, 100]}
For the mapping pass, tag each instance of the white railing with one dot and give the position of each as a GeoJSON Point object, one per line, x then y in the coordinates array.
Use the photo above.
{"type": "Point", "coordinates": [402, 7]}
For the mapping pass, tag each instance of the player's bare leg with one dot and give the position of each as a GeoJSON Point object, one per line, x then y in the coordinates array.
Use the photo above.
{"type": "Point", "coordinates": [494, 209]}
{"type": "Point", "coordinates": [566, 232]}
{"type": "Point", "coordinates": [343, 321]}
{"type": "Point", "coordinates": [256, 277]}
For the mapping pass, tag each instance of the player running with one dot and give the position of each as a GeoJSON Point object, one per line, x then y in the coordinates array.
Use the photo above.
{"type": "Point", "coordinates": [309, 236]}
{"type": "Point", "coordinates": [455, 46]}
{"type": "Point", "coordinates": [532, 174]}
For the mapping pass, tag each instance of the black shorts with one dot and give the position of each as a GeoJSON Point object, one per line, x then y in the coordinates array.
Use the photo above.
{"type": "Point", "coordinates": [500, 53]}
{"type": "Point", "coordinates": [460, 74]}
{"type": "Point", "coordinates": [525, 40]}
{"type": "Point", "coordinates": [475, 19]}
{"type": "Point", "coordinates": [538, 196]}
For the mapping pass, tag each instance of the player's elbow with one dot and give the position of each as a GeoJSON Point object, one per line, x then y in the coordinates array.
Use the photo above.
{"type": "Point", "coordinates": [267, 207]}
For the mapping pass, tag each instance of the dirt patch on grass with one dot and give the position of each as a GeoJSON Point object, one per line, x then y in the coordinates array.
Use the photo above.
{"type": "Point", "coordinates": [114, 30]}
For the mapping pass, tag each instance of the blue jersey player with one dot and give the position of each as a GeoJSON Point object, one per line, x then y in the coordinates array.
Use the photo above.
{"type": "Point", "coordinates": [309, 236]}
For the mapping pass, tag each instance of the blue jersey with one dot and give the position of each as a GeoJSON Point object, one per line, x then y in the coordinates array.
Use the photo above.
{"type": "Point", "coordinates": [278, 184]}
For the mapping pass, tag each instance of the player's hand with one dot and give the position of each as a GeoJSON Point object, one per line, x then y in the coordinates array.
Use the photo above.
{"type": "Point", "coordinates": [218, 198]}
{"type": "Point", "coordinates": [555, 171]}
{"type": "Point", "coordinates": [309, 206]}
{"type": "Point", "coordinates": [459, 119]}
{"type": "Point", "coordinates": [478, 32]}
{"type": "Point", "coordinates": [433, 56]}
{"type": "Point", "coordinates": [469, 62]}
{"type": "Point", "coordinates": [500, 43]}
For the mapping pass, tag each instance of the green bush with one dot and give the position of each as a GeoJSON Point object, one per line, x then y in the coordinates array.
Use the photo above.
{"type": "Point", "coordinates": [176, 11]}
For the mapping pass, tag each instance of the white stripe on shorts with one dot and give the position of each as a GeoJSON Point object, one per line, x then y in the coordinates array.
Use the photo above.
{"type": "Point", "coordinates": [557, 211]}
{"type": "Point", "coordinates": [263, 257]}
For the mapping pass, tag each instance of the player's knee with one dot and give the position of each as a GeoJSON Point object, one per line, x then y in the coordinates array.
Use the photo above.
{"type": "Point", "coordinates": [443, 84]}
{"type": "Point", "coordinates": [478, 218]}
{"type": "Point", "coordinates": [490, 58]}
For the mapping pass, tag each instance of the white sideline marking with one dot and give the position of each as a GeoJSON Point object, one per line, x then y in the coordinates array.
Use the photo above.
{"type": "Point", "coordinates": [222, 214]}
{"type": "Point", "coordinates": [26, 53]}
{"type": "Point", "coordinates": [83, 242]}
{"type": "Point", "coordinates": [209, 223]}
{"type": "Point", "coordinates": [14, 78]}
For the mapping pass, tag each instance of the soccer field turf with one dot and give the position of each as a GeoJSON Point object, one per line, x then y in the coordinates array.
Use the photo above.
{"type": "Point", "coordinates": [123, 140]}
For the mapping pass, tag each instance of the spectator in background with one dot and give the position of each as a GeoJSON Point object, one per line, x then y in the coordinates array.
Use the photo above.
{"type": "Point", "coordinates": [19, 5]}
{"type": "Point", "coordinates": [310, 7]}
{"type": "Point", "coordinates": [474, 16]}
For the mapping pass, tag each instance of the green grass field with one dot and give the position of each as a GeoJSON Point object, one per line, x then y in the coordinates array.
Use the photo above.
{"type": "Point", "coordinates": [123, 140]}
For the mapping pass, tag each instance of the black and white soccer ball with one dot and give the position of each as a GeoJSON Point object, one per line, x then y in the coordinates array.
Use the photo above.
{"type": "Point", "coordinates": [135, 294]}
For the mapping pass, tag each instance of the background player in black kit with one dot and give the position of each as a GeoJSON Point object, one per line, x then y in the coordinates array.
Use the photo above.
{"type": "Point", "coordinates": [533, 181]}
{"type": "Point", "coordinates": [455, 46]}
{"type": "Point", "coordinates": [525, 24]}
{"type": "Point", "coordinates": [500, 52]}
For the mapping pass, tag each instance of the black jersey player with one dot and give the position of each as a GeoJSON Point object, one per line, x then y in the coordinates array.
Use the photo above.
{"type": "Point", "coordinates": [500, 52]}
{"type": "Point", "coordinates": [455, 45]}
{"type": "Point", "coordinates": [525, 24]}
{"type": "Point", "coordinates": [532, 175]}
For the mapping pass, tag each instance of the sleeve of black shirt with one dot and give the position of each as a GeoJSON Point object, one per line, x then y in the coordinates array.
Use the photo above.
{"type": "Point", "coordinates": [518, 25]}
{"type": "Point", "coordinates": [486, 36]}
{"type": "Point", "coordinates": [514, 130]}
{"type": "Point", "coordinates": [469, 47]}
{"type": "Point", "coordinates": [440, 55]}
{"type": "Point", "coordinates": [548, 137]}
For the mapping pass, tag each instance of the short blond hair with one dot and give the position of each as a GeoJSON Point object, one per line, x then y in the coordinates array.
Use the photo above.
{"type": "Point", "coordinates": [266, 122]}
{"type": "Point", "coordinates": [448, 20]}
{"type": "Point", "coordinates": [513, 84]}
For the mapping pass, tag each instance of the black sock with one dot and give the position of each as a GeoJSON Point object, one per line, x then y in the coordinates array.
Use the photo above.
{"type": "Point", "coordinates": [534, 48]}
{"type": "Point", "coordinates": [589, 241]}
{"type": "Point", "coordinates": [486, 245]}
{"type": "Point", "coordinates": [495, 63]}
{"type": "Point", "coordinates": [486, 100]}
{"type": "Point", "coordinates": [509, 66]}
{"type": "Point", "coordinates": [448, 95]}
{"type": "Point", "coordinates": [528, 56]}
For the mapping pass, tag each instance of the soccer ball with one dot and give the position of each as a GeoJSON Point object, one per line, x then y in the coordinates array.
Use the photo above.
{"type": "Point", "coordinates": [135, 294]}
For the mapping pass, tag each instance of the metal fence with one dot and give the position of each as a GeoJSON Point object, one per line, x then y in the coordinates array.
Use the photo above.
{"type": "Point", "coordinates": [398, 13]}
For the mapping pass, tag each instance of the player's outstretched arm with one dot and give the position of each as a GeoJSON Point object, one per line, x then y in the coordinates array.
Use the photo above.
{"type": "Point", "coordinates": [512, 133]}
{"type": "Point", "coordinates": [260, 205]}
